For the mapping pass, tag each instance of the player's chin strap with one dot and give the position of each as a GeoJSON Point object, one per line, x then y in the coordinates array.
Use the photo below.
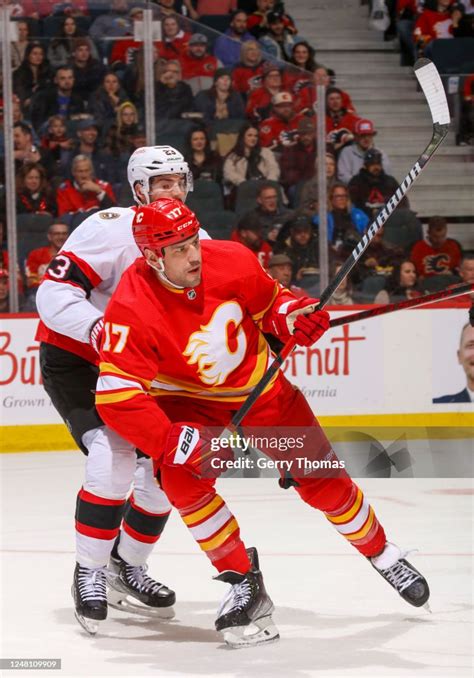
{"type": "Point", "coordinates": [160, 269]}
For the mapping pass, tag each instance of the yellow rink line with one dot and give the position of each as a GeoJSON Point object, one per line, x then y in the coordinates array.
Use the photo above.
{"type": "Point", "coordinates": [439, 425]}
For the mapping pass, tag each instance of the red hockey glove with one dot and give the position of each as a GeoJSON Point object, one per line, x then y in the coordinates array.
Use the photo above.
{"type": "Point", "coordinates": [196, 447]}
{"type": "Point", "coordinates": [95, 335]}
{"type": "Point", "coordinates": [298, 318]}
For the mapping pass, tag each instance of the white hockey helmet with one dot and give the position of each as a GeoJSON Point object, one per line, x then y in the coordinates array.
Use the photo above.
{"type": "Point", "coordinates": [152, 161]}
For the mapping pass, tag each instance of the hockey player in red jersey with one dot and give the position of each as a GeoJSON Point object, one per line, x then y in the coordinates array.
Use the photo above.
{"type": "Point", "coordinates": [71, 301]}
{"type": "Point", "coordinates": [186, 328]}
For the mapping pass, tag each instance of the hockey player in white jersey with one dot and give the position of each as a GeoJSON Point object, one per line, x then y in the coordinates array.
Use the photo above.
{"type": "Point", "coordinates": [114, 537]}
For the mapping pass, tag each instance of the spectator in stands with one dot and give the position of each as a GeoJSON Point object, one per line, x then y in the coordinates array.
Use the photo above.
{"type": "Point", "coordinates": [345, 223]}
{"type": "Point", "coordinates": [25, 151]}
{"type": "Point", "coordinates": [270, 212]}
{"type": "Point", "coordinates": [40, 9]}
{"type": "Point", "coordinates": [220, 101]}
{"type": "Point", "coordinates": [177, 8]}
{"type": "Point", "coordinates": [38, 260]}
{"type": "Point", "coordinates": [58, 99]}
{"type": "Point", "coordinates": [4, 291]}
{"type": "Point", "coordinates": [59, 143]}
{"type": "Point", "coordinates": [203, 162]}
{"type": "Point", "coordinates": [175, 39]}
{"type": "Point", "coordinates": [400, 285]}
{"type": "Point", "coordinates": [340, 124]}
{"type": "Point", "coordinates": [259, 102]}
{"type": "Point", "coordinates": [119, 142]}
{"type": "Point", "coordinates": [105, 101]}
{"type": "Point", "coordinates": [465, 355]}
{"type": "Point", "coordinates": [18, 47]}
{"type": "Point", "coordinates": [351, 158]}
{"type": "Point", "coordinates": [379, 258]}
{"type": "Point", "coordinates": [84, 193]}
{"type": "Point", "coordinates": [33, 75]}
{"type": "Point", "coordinates": [302, 65]}
{"type": "Point", "coordinates": [278, 40]}
{"type": "Point", "coordinates": [247, 73]}
{"type": "Point", "coordinates": [172, 96]}
{"type": "Point", "coordinates": [437, 254]}
{"type": "Point", "coordinates": [343, 295]}
{"type": "Point", "coordinates": [466, 269]}
{"type": "Point", "coordinates": [432, 24]}
{"type": "Point", "coordinates": [280, 129]}
{"type": "Point", "coordinates": [199, 67]}
{"type": "Point", "coordinates": [258, 21]}
{"type": "Point", "coordinates": [61, 46]}
{"type": "Point", "coordinates": [88, 72]}
{"type": "Point", "coordinates": [248, 160]}
{"type": "Point", "coordinates": [306, 96]}
{"type": "Point", "coordinates": [308, 198]}
{"type": "Point", "coordinates": [301, 247]}
{"type": "Point", "coordinates": [33, 192]}
{"type": "Point", "coordinates": [87, 132]}
{"type": "Point", "coordinates": [227, 47]}
{"type": "Point", "coordinates": [280, 268]}
{"type": "Point", "coordinates": [407, 12]}
{"type": "Point", "coordinates": [371, 187]}
{"type": "Point", "coordinates": [133, 78]}
{"type": "Point", "coordinates": [298, 162]}
{"type": "Point", "coordinates": [466, 123]}
{"type": "Point", "coordinates": [124, 50]}
{"type": "Point", "coordinates": [116, 23]}
{"type": "Point", "coordinates": [462, 15]}
{"type": "Point", "coordinates": [249, 232]}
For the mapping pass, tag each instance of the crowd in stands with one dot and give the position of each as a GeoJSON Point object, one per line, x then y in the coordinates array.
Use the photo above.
{"type": "Point", "coordinates": [241, 107]}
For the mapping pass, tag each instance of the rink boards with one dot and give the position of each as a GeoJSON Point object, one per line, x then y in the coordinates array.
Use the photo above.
{"type": "Point", "coordinates": [378, 374]}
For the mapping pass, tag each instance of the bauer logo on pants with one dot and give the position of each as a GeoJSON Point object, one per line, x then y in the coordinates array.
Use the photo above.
{"type": "Point", "coordinates": [188, 439]}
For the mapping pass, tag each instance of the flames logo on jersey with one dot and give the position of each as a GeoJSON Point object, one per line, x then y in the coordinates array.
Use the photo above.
{"type": "Point", "coordinates": [210, 349]}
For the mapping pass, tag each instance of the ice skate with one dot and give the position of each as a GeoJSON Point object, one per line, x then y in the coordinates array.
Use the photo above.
{"type": "Point", "coordinates": [90, 597]}
{"type": "Point", "coordinates": [401, 574]}
{"type": "Point", "coordinates": [132, 590]}
{"type": "Point", "coordinates": [244, 616]}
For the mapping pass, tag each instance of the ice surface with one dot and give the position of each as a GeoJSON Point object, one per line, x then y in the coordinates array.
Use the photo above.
{"type": "Point", "coordinates": [336, 616]}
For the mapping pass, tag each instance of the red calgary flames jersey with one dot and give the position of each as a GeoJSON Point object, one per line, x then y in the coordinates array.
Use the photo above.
{"type": "Point", "coordinates": [202, 342]}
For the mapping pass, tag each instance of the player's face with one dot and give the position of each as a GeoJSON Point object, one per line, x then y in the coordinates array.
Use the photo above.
{"type": "Point", "coordinates": [466, 353]}
{"type": "Point", "coordinates": [183, 264]}
{"type": "Point", "coordinates": [168, 186]}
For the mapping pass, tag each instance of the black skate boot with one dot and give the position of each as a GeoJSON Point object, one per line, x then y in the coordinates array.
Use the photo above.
{"type": "Point", "coordinates": [401, 574]}
{"type": "Point", "coordinates": [244, 615]}
{"type": "Point", "coordinates": [90, 597]}
{"type": "Point", "coordinates": [148, 597]}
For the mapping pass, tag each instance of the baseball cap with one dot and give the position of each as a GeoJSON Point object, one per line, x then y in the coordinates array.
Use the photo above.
{"type": "Point", "coordinates": [373, 157]}
{"type": "Point", "coordinates": [306, 125]}
{"type": "Point", "coordinates": [86, 124]}
{"type": "Point", "coordinates": [198, 39]}
{"type": "Point", "coordinates": [282, 98]}
{"type": "Point", "coordinates": [274, 17]}
{"type": "Point", "coordinates": [364, 126]}
{"type": "Point", "coordinates": [280, 260]}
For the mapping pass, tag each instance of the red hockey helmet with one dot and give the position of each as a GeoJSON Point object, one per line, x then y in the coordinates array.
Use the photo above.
{"type": "Point", "coordinates": [164, 222]}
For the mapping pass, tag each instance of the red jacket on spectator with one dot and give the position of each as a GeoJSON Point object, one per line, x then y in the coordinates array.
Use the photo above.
{"type": "Point", "coordinates": [277, 132]}
{"type": "Point", "coordinates": [430, 261]}
{"type": "Point", "coordinates": [259, 103]}
{"type": "Point", "coordinates": [306, 99]}
{"type": "Point", "coordinates": [124, 50]}
{"type": "Point", "coordinates": [346, 121]}
{"type": "Point", "coordinates": [432, 25]}
{"type": "Point", "coordinates": [246, 78]}
{"type": "Point", "coordinates": [295, 80]}
{"type": "Point", "coordinates": [175, 48]}
{"type": "Point", "coordinates": [46, 8]}
{"type": "Point", "coordinates": [37, 263]}
{"type": "Point", "coordinates": [264, 252]}
{"type": "Point", "coordinates": [70, 199]}
{"type": "Point", "coordinates": [195, 68]}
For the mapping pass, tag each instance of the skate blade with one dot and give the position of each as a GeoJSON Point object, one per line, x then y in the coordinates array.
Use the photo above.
{"type": "Point", "coordinates": [258, 632]}
{"type": "Point", "coordinates": [89, 625]}
{"type": "Point", "coordinates": [121, 601]}
{"type": "Point", "coordinates": [428, 608]}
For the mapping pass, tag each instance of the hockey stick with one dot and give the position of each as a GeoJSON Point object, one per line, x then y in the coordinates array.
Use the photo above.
{"type": "Point", "coordinates": [432, 87]}
{"type": "Point", "coordinates": [457, 291]}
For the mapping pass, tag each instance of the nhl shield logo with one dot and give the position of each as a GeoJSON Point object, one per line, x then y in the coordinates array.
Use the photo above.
{"type": "Point", "coordinates": [191, 294]}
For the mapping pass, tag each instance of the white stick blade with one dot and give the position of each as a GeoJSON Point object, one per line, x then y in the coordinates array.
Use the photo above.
{"type": "Point", "coordinates": [430, 82]}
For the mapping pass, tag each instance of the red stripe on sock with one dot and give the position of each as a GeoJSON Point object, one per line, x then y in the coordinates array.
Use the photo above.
{"type": "Point", "coordinates": [144, 538]}
{"type": "Point", "coordinates": [96, 532]}
{"type": "Point", "coordinates": [84, 495]}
